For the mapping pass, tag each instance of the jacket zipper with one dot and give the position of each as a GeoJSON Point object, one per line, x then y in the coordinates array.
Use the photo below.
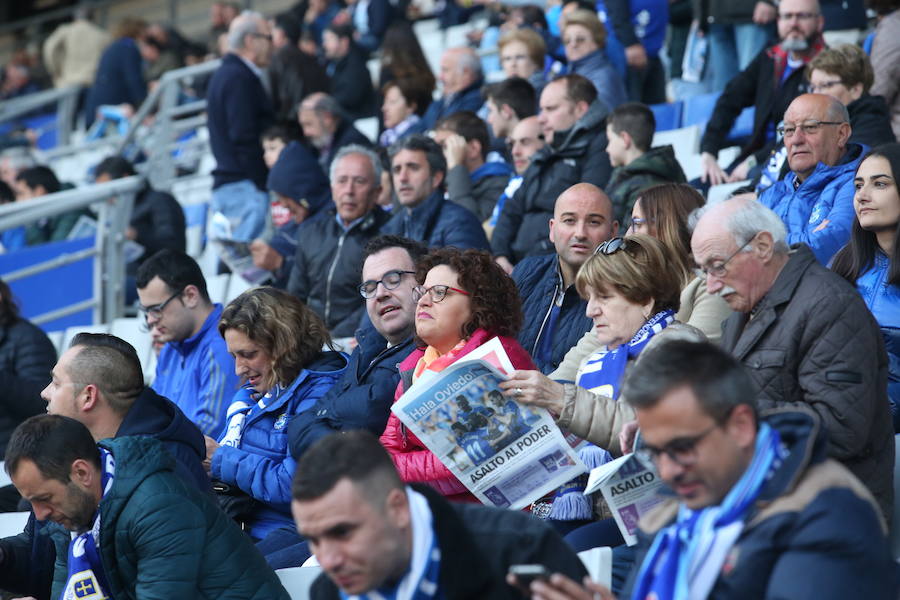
{"type": "Point", "coordinates": [337, 255]}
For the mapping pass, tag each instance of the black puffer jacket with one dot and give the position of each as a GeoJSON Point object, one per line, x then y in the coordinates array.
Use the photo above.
{"type": "Point", "coordinates": [159, 222]}
{"type": "Point", "coordinates": [813, 343]}
{"type": "Point", "coordinates": [522, 229]}
{"type": "Point", "coordinates": [870, 121]}
{"type": "Point", "coordinates": [26, 358]}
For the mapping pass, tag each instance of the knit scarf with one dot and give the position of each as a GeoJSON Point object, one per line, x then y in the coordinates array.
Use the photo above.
{"type": "Point", "coordinates": [436, 362]}
{"type": "Point", "coordinates": [86, 578]}
{"type": "Point", "coordinates": [240, 407]}
{"type": "Point", "coordinates": [421, 580]}
{"type": "Point", "coordinates": [603, 371]}
{"type": "Point", "coordinates": [780, 56]}
{"type": "Point", "coordinates": [686, 558]}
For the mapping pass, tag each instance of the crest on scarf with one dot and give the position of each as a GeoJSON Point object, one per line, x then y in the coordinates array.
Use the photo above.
{"type": "Point", "coordinates": [84, 586]}
{"type": "Point", "coordinates": [281, 421]}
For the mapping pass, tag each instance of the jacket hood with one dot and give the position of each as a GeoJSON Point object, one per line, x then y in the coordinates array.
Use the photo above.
{"type": "Point", "coordinates": [659, 161]}
{"type": "Point", "coordinates": [824, 174]}
{"type": "Point", "coordinates": [155, 416]}
{"type": "Point", "coordinates": [328, 362]}
{"type": "Point", "coordinates": [137, 458]}
{"type": "Point", "coordinates": [288, 177]}
{"type": "Point", "coordinates": [869, 105]}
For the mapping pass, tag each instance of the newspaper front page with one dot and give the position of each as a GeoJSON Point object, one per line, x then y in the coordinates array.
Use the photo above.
{"type": "Point", "coordinates": [508, 455]}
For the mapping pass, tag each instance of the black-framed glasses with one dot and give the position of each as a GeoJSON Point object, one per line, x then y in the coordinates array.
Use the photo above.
{"type": "Point", "coordinates": [390, 281]}
{"type": "Point", "coordinates": [810, 127]}
{"type": "Point", "coordinates": [720, 269]}
{"type": "Point", "coordinates": [610, 246]}
{"type": "Point", "coordinates": [825, 85]}
{"type": "Point", "coordinates": [156, 310]}
{"type": "Point", "coordinates": [437, 292]}
{"type": "Point", "coordinates": [682, 451]}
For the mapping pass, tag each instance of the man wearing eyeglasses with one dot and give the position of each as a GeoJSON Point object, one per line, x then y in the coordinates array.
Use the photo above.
{"type": "Point", "coordinates": [769, 83]}
{"type": "Point", "coordinates": [194, 369]}
{"type": "Point", "coordinates": [815, 200]}
{"type": "Point", "coordinates": [759, 510]}
{"type": "Point", "coordinates": [803, 333]}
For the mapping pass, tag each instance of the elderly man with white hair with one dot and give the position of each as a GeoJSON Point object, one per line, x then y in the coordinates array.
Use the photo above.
{"type": "Point", "coordinates": [803, 333]}
{"type": "Point", "coordinates": [461, 79]}
{"type": "Point", "coordinates": [239, 110]}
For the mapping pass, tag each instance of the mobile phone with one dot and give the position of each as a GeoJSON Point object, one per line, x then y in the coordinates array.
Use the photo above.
{"type": "Point", "coordinates": [525, 574]}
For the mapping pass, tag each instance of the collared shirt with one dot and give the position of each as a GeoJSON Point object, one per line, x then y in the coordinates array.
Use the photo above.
{"type": "Point", "coordinates": [258, 72]}
{"type": "Point", "coordinates": [352, 224]}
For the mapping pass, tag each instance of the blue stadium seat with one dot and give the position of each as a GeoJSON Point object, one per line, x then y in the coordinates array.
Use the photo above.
{"type": "Point", "coordinates": [743, 127]}
{"type": "Point", "coordinates": [698, 109]}
{"type": "Point", "coordinates": [668, 116]}
{"type": "Point", "coordinates": [45, 126]}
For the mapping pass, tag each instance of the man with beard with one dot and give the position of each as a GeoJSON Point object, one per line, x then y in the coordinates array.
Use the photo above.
{"type": "Point", "coordinates": [770, 83]}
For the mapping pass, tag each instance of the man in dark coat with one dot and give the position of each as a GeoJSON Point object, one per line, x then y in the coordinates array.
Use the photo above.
{"type": "Point", "coordinates": [239, 110]}
{"type": "Point", "coordinates": [461, 80]}
{"type": "Point", "coordinates": [326, 128]}
{"type": "Point", "coordinates": [351, 83]}
{"type": "Point", "coordinates": [573, 123]}
{"type": "Point", "coordinates": [803, 333]}
{"type": "Point", "coordinates": [371, 532]}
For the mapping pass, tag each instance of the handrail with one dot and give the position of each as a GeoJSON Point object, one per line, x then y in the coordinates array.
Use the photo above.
{"type": "Point", "coordinates": [10, 109]}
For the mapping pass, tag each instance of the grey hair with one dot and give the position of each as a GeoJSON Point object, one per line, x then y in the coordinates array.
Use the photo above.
{"type": "Point", "coordinates": [467, 60]}
{"type": "Point", "coordinates": [322, 103]}
{"type": "Point", "coordinates": [19, 158]}
{"type": "Point", "coordinates": [357, 149]}
{"type": "Point", "coordinates": [750, 218]}
{"type": "Point", "coordinates": [247, 23]}
{"type": "Point", "coordinates": [837, 111]}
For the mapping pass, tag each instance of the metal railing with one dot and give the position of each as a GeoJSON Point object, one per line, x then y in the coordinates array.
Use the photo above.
{"type": "Point", "coordinates": [64, 100]}
{"type": "Point", "coordinates": [114, 201]}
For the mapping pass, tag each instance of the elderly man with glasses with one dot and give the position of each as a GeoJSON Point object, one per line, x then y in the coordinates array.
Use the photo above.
{"type": "Point", "coordinates": [815, 200]}
{"type": "Point", "coordinates": [803, 333]}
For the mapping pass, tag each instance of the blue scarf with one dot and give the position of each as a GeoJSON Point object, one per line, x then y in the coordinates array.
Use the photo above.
{"type": "Point", "coordinates": [86, 578]}
{"type": "Point", "coordinates": [603, 371]}
{"type": "Point", "coordinates": [686, 558]}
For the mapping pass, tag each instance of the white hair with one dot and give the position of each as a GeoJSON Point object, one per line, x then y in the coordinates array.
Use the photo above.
{"type": "Point", "coordinates": [746, 221]}
{"type": "Point", "coordinates": [468, 60]}
{"type": "Point", "coordinates": [357, 149]}
{"type": "Point", "coordinates": [247, 23]}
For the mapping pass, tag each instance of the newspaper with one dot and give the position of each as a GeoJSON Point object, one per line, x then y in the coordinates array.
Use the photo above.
{"type": "Point", "coordinates": [631, 488]}
{"type": "Point", "coordinates": [506, 454]}
{"type": "Point", "coordinates": [85, 226]}
{"type": "Point", "coordinates": [235, 254]}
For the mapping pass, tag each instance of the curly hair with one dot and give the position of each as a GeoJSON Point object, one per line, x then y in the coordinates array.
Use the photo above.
{"type": "Point", "coordinates": [641, 270]}
{"type": "Point", "coordinates": [495, 303]}
{"type": "Point", "coordinates": [287, 329]}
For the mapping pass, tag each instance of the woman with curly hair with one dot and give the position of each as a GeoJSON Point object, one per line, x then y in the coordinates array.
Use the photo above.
{"type": "Point", "coordinates": [276, 342]}
{"type": "Point", "coordinates": [464, 300]}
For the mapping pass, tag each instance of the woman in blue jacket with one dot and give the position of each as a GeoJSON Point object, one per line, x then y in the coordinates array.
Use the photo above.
{"type": "Point", "coordinates": [277, 346]}
{"type": "Point", "coordinates": [871, 260]}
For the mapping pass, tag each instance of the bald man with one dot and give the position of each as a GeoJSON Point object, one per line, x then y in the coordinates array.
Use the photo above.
{"type": "Point", "coordinates": [461, 78]}
{"type": "Point", "coordinates": [803, 333]}
{"type": "Point", "coordinates": [554, 312]}
{"type": "Point", "coordinates": [815, 199]}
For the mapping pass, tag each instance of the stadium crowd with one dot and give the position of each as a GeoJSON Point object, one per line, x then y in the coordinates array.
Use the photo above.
{"type": "Point", "coordinates": [745, 349]}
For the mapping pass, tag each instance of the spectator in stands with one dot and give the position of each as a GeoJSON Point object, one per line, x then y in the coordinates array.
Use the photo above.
{"type": "Point", "coordinates": [350, 479]}
{"type": "Point", "coordinates": [160, 536]}
{"type": "Point", "coordinates": [554, 311]}
{"type": "Point", "coordinates": [464, 300]}
{"type": "Point", "coordinates": [325, 127]}
{"type": "Point", "coordinates": [870, 260]}
{"type": "Point", "coordinates": [637, 164]}
{"type": "Point", "coordinates": [318, 16]}
{"type": "Point", "coordinates": [239, 110]}
{"type": "Point", "coordinates": [402, 58]}
{"type": "Point", "coordinates": [119, 78]}
{"type": "Point", "coordinates": [639, 27]}
{"type": "Point", "coordinates": [508, 102]}
{"type": "Point", "coordinates": [523, 143]}
{"type": "Point", "coordinates": [461, 78]}
{"type": "Point", "coordinates": [798, 349]}
{"type": "Point", "coordinates": [815, 199]}
{"type": "Point", "coordinates": [780, 503]}
{"type": "Point", "coordinates": [301, 191]}
{"type": "Point", "coordinates": [522, 54]}
{"type": "Point", "coordinates": [370, 22]}
{"type": "Point", "coordinates": [275, 139]}
{"type": "Point", "coordinates": [770, 83]}
{"type": "Point", "coordinates": [351, 83]}
{"type": "Point", "coordinates": [12, 162]}
{"type": "Point", "coordinates": [221, 14]}
{"type": "Point", "coordinates": [294, 74]}
{"type": "Point", "coordinates": [284, 374]}
{"type": "Point", "coordinates": [10, 239]}
{"type": "Point", "coordinates": [72, 52]}
{"type": "Point", "coordinates": [325, 274]}
{"type": "Point", "coordinates": [194, 369]}
{"type": "Point", "coordinates": [16, 82]}
{"type": "Point", "coordinates": [419, 170]}
{"type": "Point", "coordinates": [472, 182]}
{"type": "Point", "coordinates": [157, 220]}
{"type": "Point", "coordinates": [886, 58]}
{"type": "Point", "coordinates": [404, 103]}
{"type": "Point", "coordinates": [40, 181]}
{"type": "Point", "coordinates": [572, 120]}
{"type": "Point", "coordinates": [584, 38]}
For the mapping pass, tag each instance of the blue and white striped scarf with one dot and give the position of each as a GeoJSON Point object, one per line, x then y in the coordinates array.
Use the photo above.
{"type": "Point", "coordinates": [686, 558]}
{"type": "Point", "coordinates": [86, 578]}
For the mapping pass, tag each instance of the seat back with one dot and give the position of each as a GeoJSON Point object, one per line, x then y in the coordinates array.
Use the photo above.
{"type": "Point", "coordinates": [298, 580]}
{"type": "Point", "coordinates": [598, 562]}
{"type": "Point", "coordinates": [668, 115]}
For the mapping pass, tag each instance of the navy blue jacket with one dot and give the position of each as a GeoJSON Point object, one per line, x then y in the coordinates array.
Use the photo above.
{"type": "Point", "coordinates": [29, 557]}
{"type": "Point", "coordinates": [239, 110]}
{"type": "Point", "coordinates": [814, 532]}
{"type": "Point", "coordinates": [380, 14]}
{"type": "Point", "coordinates": [538, 280]}
{"type": "Point", "coordinates": [437, 222]}
{"type": "Point", "coordinates": [467, 99]}
{"type": "Point", "coordinates": [351, 83]}
{"type": "Point", "coordinates": [361, 398]}
{"type": "Point", "coordinates": [119, 78]}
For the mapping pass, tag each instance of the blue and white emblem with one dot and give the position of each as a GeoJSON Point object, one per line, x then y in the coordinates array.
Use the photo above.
{"type": "Point", "coordinates": [281, 421]}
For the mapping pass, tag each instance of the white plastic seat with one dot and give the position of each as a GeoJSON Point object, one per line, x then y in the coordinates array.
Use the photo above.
{"type": "Point", "coordinates": [71, 332]}
{"type": "Point", "coordinates": [217, 287]}
{"type": "Point", "coordinates": [598, 562]}
{"type": "Point", "coordinates": [368, 127]}
{"type": "Point", "coordinates": [56, 338]}
{"type": "Point", "coordinates": [4, 478]}
{"type": "Point", "coordinates": [12, 523]}
{"type": "Point", "coordinates": [237, 285]}
{"type": "Point", "coordinates": [132, 331]}
{"type": "Point", "coordinates": [298, 580]}
{"type": "Point", "coordinates": [685, 141]}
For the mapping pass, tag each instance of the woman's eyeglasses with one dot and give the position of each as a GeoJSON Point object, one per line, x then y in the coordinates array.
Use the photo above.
{"type": "Point", "coordinates": [437, 292]}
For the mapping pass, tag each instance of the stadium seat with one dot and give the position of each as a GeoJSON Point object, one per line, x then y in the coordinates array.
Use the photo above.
{"type": "Point", "coordinates": [132, 331]}
{"type": "Point", "coordinates": [297, 580]}
{"type": "Point", "coordinates": [368, 127]}
{"type": "Point", "coordinates": [217, 286]}
{"type": "Point", "coordinates": [598, 562]}
{"type": "Point", "coordinates": [721, 192]}
{"type": "Point", "coordinates": [56, 338]}
{"type": "Point", "coordinates": [698, 109]}
{"type": "Point", "coordinates": [895, 534]}
{"type": "Point", "coordinates": [668, 116]}
{"type": "Point", "coordinates": [195, 216]}
{"type": "Point", "coordinates": [4, 478]}
{"type": "Point", "coordinates": [743, 127]}
{"type": "Point", "coordinates": [685, 141]}
{"type": "Point", "coordinates": [12, 523]}
{"type": "Point", "coordinates": [237, 285]}
{"type": "Point", "coordinates": [71, 332]}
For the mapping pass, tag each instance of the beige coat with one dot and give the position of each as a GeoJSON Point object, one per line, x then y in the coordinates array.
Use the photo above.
{"type": "Point", "coordinates": [72, 52]}
{"type": "Point", "coordinates": [886, 64]}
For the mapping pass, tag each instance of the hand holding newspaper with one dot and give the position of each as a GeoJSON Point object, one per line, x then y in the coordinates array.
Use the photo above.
{"type": "Point", "coordinates": [508, 455]}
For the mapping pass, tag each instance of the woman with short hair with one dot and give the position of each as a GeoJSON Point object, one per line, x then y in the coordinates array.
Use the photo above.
{"type": "Point", "coordinates": [522, 54]}
{"type": "Point", "coordinates": [584, 40]}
